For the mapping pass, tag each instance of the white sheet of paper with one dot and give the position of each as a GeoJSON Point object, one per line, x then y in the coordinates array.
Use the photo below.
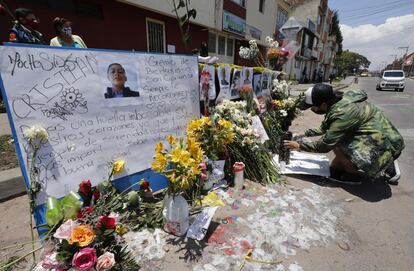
{"type": "Point", "coordinates": [63, 91]}
{"type": "Point", "coordinates": [258, 126]}
{"type": "Point", "coordinates": [306, 163]}
{"type": "Point", "coordinates": [199, 227]}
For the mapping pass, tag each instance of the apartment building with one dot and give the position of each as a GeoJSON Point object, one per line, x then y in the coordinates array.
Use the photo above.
{"type": "Point", "coordinates": [317, 50]}
{"type": "Point", "coordinates": [225, 25]}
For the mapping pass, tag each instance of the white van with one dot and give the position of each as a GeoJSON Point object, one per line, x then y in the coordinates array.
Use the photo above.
{"type": "Point", "coordinates": [392, 79]}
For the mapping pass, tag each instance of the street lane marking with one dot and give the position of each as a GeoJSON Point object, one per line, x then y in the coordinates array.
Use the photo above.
{"type": "Point", "coordinates": [392, 104]}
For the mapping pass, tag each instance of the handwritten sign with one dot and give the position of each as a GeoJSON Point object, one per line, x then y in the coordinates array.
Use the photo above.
{"type": "Point", "coordinates": [97, 106]}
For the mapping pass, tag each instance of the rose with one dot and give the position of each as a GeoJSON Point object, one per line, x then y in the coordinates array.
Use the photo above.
{"type": "Point", "coordinates": [83, 235]}
{"type": "Point", "coordinates": [84, 259]}
{"type": "Point", "coordinates": [96, 194]}
{"type": "Point", "coordinates": [65, 230]}
{"type": "Point", "coordinates": [106, 222]}
{"type": "Point", "coordinates": [85, 187]}
{"type": "Point", "coordinates": [144, 185]}
{"type": "Point", "coordinates": [85, 211]}
{"type": "Point", "coordinates": [105, 262]}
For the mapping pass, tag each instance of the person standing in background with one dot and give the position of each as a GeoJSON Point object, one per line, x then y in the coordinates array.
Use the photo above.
{"type": "Point", "coordinates": [64, 36]}
{"type": "Point", "coordinates": [24, 28]}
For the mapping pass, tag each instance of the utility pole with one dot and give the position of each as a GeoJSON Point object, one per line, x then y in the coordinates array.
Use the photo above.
{"type": "Point", "coordinates": [406, 49]}
{"type": "Point", "coordinates": [395, 59]}
{"type": "Point", "coordinates": [405, 55]}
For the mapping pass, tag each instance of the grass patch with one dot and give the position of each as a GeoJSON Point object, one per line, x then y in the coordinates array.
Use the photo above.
{"type": "Point", "coordinates": [8, 157]}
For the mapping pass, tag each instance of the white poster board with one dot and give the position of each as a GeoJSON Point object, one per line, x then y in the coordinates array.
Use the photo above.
{"type": "Point", "coordinates": [306, 163]}
{"type": "Point", "coordinates": [64, 91]}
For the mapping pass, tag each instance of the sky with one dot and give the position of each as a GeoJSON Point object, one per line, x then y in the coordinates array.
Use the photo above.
{"type": "Point", "coordinates": [376, 28]}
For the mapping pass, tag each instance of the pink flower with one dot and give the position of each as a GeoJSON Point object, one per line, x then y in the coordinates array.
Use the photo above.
{"type": "Point", "coordinates": [203, 166]}
{"type": "Point", "coordinates": [105, 262]}
{"type": "Point", "coordinates": [64, 231]}
{"type": "Point", "coordinates": [203, 176]}
{"type": "Point", "coordinates": [84, 259]}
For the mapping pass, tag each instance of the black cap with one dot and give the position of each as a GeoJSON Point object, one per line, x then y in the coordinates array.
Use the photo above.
{"type": "Point", "coordinates": [316, 95]}
{"type": "Point", "coordinates": [22, 13]}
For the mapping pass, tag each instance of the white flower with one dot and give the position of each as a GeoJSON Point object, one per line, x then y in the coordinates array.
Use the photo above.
{"type": "Point", "coordinates": [283, 113]}
{"type": "Point", "coordinates": [36, 132]}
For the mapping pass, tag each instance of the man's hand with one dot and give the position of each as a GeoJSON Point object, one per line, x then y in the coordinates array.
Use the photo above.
{"type": "Point", "coordinates": [291, 145]}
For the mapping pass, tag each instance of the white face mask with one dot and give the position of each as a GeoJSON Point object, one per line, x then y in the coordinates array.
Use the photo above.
{"type": "Point", "coordinates": [67, 30]}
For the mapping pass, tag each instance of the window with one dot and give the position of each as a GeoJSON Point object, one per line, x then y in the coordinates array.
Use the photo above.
{"type": "Point", "coordinates": [230, 47]}
{"type": "Point", "coordinates": [311, 25]}
{"type": "Point", "coordinates": [240, 2]}
{"type": "Point", "coordinates": [221, 45]}
{"type": "Point", "coordinates": [211, 42]}
{"type": "Point", "coordinates": [155, 36]}
{"type": "Point", "coordinates": [319, 19]}
{"type": "Point", "coordinates": [261, 5]}
{"type": "Point", "coordinates": [281, 19]}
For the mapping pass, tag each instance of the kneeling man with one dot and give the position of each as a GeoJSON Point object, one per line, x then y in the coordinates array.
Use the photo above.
{"type": "Point", "coordinates": [364, 141]}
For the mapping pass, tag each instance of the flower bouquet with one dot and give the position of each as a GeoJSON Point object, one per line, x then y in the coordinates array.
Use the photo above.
{"type": "Point", "coordinates": [213, 138]}
{"type": "Point", "coordinates": [246, 146]}
{"type": "Point", "coordinates": [180, 163]}
{"type": "Point", "coordinates": [87, 238]}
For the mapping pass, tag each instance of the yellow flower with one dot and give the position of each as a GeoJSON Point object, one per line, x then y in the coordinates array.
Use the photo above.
{"type": "Point", "coordinates": [160, 162]}
{"type": "Point", "coordinates": [159, 148]}
{"type": "Point", "coordinates": [185, 158]}
{"type": "Point", "coordinates": [176, 155]}
{"type": "Point", "coordinates": [277, 103]}
{"type": "Point", "coordinates": [83, 235]}
{"type": "Point", "coordinates": [118, 166]}
{"type": "Point", "coordinates": [170, 139]}
{"type": "Point", "coordinates": [205, 121]}
{"type": "Point", "coordinates": [225, 124]}
{"type": "Point", "coordinates": [120, 229]}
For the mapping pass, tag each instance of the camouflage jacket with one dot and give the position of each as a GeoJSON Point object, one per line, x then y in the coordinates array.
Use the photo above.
{"type": "Point", "coordinates": [361, 130]}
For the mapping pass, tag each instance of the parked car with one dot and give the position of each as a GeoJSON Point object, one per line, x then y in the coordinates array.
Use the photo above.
{"type": "Point", "coordinates": [392, 79]}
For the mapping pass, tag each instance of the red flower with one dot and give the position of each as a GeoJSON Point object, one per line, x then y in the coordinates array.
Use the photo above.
{"type": "Point", "coordinates": [106, 222]}
{"type": "Point", "coordinates": [85, 211]}
{"type": "Point", "coordinates": [96, 194]}
{"type": "Point", "coordinates": [85, 187]}
{"type": "Point", "coordinates": [144, 185]}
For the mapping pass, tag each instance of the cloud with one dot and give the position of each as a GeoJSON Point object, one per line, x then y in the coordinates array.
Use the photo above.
{"type": "Point", "coordinates": [379, 42]}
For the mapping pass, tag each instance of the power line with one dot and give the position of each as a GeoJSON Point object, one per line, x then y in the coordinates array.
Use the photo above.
{"type": "Point", "coordinates": [378, 11]}
{"type": "Point", "coordinates": [370, 7]}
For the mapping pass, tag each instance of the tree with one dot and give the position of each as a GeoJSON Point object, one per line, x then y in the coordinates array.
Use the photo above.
{"type": "Point", "coordinates": [351, 62]}
{"type": "Point", "coordinates": [184, 20]}
{"type": "Point", "coordinates": [336, 31]}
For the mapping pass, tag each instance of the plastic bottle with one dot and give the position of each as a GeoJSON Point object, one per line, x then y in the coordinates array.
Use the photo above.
{"type": "Point", "coordinates": [176, 215]}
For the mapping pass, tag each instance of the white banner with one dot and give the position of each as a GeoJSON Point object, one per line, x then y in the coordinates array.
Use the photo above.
{"type": "Point", "coordinates": [97, 106]}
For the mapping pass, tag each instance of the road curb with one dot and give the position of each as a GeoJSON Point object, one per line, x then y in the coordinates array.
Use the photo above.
{"type": "Point", "coordinates": [11, 184]}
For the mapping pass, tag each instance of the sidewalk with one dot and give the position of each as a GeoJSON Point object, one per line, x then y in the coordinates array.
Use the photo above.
{"type": "Point", "coordinates": [336, 85]}
{"type": "Point", "coordinates": [11, 180]}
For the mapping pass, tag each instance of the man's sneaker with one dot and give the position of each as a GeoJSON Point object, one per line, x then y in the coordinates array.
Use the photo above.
{"type": "Point", "coordinates": [393, 173]}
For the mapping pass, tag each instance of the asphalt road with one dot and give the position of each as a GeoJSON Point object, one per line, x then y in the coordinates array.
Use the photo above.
{"type": "Point", "coordinates": [379, 218]}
